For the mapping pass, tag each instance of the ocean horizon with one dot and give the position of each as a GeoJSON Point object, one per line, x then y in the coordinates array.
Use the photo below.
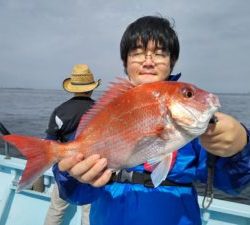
{"type": "Point", "coordinates": [102, 90]}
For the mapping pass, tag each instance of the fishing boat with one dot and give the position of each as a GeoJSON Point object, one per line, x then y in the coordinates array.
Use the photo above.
{"type": "Point", "coordinates": [29, 207]}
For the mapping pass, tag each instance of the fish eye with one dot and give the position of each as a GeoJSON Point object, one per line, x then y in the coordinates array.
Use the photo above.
{"type": "Point", "coordinates": [187, 92]}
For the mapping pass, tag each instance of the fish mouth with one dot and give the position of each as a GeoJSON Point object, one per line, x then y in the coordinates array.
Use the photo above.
{"type": "Point", "coordinates": [195, 122]}
{"type": "Point", "coordinates": [201, 122]}
{"type": "Point", "coordinates": [205, 117]}
{"type": "Point", "coordinates": [213, 101]}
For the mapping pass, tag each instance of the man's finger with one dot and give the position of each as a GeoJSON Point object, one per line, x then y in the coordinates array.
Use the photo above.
{"type": "Point", "coordinates": [84, 165]}
{"type": "Point", "coordinates": [95, 170]}
{"type": "Point", "coordinates": [103, 179]}
{"type": "Point", "coordinates": [67, 163]}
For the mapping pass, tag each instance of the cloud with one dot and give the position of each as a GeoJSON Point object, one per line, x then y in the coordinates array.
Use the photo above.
{"type": "Point", "coordinates": [41, 41]}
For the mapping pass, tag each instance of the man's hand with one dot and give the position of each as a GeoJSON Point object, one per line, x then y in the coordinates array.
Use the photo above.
{"type": "Point", "coordinates": [91, 170]}
{"type": "Point", "coordinates": [224, 138]}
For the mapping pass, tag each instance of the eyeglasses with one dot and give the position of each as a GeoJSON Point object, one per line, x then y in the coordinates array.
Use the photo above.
{"type": "Point", "coordinates": [140, 56]}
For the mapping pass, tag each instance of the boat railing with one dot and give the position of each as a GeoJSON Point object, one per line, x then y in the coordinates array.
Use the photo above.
{"type": "Point", "coordinates": [7, 150]}
{"type": "Point", "coordinates": [29, 205]}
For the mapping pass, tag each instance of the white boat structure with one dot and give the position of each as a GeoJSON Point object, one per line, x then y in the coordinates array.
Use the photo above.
{"type": "Point", "coordinates": [29, 207]}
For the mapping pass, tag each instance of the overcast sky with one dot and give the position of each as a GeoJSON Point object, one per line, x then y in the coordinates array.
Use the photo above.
{"type": "Point", "coordinates": [40, 41]}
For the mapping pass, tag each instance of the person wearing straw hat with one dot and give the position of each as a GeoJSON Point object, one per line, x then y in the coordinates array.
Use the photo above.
{"type": "Point", "coordinates": [62, 126]}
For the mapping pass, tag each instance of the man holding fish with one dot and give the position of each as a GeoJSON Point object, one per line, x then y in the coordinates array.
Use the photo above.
{"type": "Point", "coordinates": [156, 131]}
{"type": "Point", "coordinates": [149, 51]}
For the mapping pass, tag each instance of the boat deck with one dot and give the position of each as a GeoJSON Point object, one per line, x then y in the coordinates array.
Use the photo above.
{"type": "Point", "coordinates": [29, 207]}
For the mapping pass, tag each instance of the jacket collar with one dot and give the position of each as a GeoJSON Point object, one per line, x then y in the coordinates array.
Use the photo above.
{"type": "Point", "coordinates": [174, 77]}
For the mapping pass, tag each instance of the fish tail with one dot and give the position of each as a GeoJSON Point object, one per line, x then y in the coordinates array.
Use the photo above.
{"type": "Point", "coordinates": [39, 155]}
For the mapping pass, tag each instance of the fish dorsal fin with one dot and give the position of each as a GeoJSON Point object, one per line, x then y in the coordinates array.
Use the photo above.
{"type": "Point", "coordinates": [114, 90]}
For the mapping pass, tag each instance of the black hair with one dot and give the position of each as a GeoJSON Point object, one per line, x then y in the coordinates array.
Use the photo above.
{"type": "Point", "coordinates": [144, 29]}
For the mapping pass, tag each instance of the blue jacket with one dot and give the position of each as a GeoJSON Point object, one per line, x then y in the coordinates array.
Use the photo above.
{"type": "Point", "coordinates": [132, 204]}
{"type": "Point", "coordinates": [125, 204]}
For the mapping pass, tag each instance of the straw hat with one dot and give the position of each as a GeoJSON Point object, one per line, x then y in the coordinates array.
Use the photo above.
{"type": "Point", "coordinates": [81, 80]}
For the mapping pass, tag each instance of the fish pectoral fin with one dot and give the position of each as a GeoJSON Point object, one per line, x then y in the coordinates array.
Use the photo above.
{"type": "Point", "coordinates": [161, 170]}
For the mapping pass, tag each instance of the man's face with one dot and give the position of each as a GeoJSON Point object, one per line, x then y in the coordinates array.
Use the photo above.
{"type": "Point", "coordinates": [148, 65]}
